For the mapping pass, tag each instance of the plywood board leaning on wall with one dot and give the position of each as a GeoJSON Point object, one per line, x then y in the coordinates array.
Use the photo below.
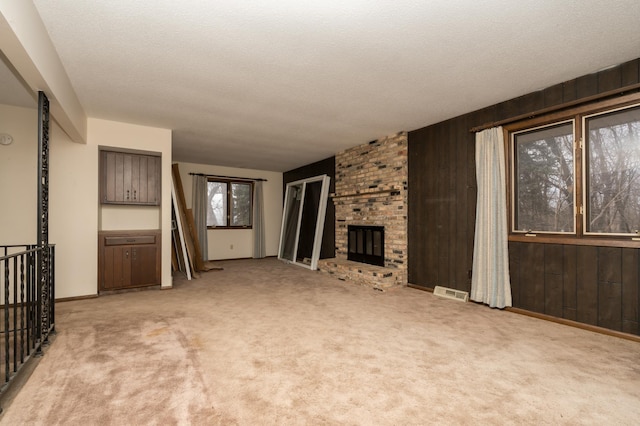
{"type": "Point", "coordinates": [189, 228]}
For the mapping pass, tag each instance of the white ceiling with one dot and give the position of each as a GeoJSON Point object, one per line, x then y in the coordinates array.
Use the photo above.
{"type": "Point", "coordinates": [277, 84]}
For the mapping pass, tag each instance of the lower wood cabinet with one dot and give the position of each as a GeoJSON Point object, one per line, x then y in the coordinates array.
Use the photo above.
{"type": "Point", "coordinates": [128, 259]}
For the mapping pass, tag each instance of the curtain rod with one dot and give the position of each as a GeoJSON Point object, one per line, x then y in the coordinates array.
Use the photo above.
{"type": "Point", "coordinates": [228, 177]}
{"type": "Point", "coordinates": [566, 105]}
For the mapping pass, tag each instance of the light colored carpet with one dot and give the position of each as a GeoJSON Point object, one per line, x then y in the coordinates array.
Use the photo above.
{"type": "Point", "coordinates": [263, 342]}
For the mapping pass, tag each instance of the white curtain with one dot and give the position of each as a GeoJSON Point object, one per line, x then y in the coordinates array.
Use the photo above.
{"type": "Point", "coordinates": [259, 250]}
{"type": "Point", "coordinates": [490, 283]}
{"type": "Point", "coordinates": [200, 200]}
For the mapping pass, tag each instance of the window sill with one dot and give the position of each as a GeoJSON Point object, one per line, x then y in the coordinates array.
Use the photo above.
{"type": "Point", "coordinates": [219, 228]}
{"type": "Point", "coordinates": [575, 241]}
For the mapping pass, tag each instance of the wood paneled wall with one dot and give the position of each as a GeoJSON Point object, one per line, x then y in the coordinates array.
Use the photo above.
{"type": "Point", "coordinates": [592, 285]}
{"type": "Point", "coordinates": [323, 167]}
{"type": "Point", "coordinates": [441, 218]}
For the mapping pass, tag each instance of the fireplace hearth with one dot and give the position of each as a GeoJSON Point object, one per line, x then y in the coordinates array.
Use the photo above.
{"type": "Point", "coordinates": [366, 244]}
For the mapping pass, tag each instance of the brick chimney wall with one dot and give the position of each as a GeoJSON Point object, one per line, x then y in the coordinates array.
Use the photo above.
{"type": "Point", "coordinates": [371, 189]}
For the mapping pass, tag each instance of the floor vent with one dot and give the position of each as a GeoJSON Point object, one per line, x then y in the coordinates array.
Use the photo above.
{"type": "Point", "coordinates": [449, 293]}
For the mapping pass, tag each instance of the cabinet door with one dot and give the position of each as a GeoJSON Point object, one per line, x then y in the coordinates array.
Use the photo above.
{"type": "Point", "coordinates": [145, 179]}
{"type": "Point", "coordinates": [112, 176]}
{"type": "Point", "coordinates": [116, 267]}
{"type": "Point", "coordinates": [144, 266]}
{"type": "Point", "coordinates": [127, 177]}
{"type": "Point", "coordinates": [147, 186]}
{"type": "Point", "coordinates": [130, 178]}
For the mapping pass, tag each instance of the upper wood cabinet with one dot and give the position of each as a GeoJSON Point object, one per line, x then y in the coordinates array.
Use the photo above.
{"type": "Point", "coordinates": [129, 178]}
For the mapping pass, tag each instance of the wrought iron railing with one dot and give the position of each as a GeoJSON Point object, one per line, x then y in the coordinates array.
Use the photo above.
{"type": "Point", "coordinates": [27, 295]}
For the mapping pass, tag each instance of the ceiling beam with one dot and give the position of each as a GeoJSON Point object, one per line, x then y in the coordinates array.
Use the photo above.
{"type": "Point", "coordinates": [25, 43]}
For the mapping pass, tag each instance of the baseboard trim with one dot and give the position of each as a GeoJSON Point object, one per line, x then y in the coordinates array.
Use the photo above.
{"type": "Point", "coordinates": [588, 327]}
{"type": "Point", "coordinates": [74, 298]}
{"type": "Point", "coordinates": [563, 321]}
{"type": "Point", "coordinates": [419, 287]}
{"type": "Point", "coordinates": [240, 258]}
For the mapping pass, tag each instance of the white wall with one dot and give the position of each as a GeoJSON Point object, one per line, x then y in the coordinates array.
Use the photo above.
{"type": "Point", "coordinates": [238, 243]}
{"type": "Point", "coordinates": [72, 198]}
{"type": "Point", "coordinates": [122, 218]}
{"type": "Point", "coordinates": [18, 178]}
{"type": "Point", "coordinates": [73, 214]}
{"type": "Point", "coordinates": [74, 207]}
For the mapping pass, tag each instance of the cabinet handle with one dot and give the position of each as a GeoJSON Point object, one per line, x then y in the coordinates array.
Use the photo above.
{"type": "Point", "coordinates": [134, 194]}
{"type": "Point", "coordinates": [127, 194]}
{"type": "Point", "coordinates": [126, 254]}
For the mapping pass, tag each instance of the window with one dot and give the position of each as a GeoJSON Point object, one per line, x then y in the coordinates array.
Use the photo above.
{"type": "Point", "coordinates": [577, 173]}
{"type": "Point", "coordinates": [543, 179]}
{"type": "Point", "coordinates": [612, 142]}
{"type": "Point", "coordinates": [230, 204]}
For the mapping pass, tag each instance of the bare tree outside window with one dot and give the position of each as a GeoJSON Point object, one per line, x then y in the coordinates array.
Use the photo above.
{"type": "Point", "coordinates": [230, 204]}
{"type": "Point", "coordinates": [613, 178]}
{"type": "Point", "coordinates": [544, 179]}
{"type": "Point", "coordinates": [241, 204]}
{"type": "Point", "coordinates": [578, 175]}
{"type": "Point", "coordinates": [217, 211]}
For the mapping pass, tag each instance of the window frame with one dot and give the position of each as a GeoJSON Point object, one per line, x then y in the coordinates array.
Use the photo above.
{"type": "Point", "coordinates": [578, 114]}
{"type": "Point", "coordinates": [513, 181]}
{"type": "Point", "coordinates": [230, 183]}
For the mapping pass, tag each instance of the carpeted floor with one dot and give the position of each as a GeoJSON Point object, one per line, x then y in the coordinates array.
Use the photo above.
{"type": "Point", "coordinates": [265, 343]}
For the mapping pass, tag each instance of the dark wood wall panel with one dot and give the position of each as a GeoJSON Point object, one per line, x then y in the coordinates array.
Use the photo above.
{"type": "Point", "coordinates": [610, 305]}
{"type": "Point", "coordinates": [514, 272]}
{"type": "Point", "coordinates": [587, 287]}
{"type": "Point", "coordinates": [609, 79]}
{"type": "Point", "coordinates": [630, 292]}
{"type": "Point", "coordinates": [594, 285]}
{"type": "Point", "coordinates": [609, 264]}
{"type": "Point", "coordinates": [553, 282]}
{"type": "Point", "coordinates": [532, 276]}
{"type": "Point", "coordinates": [442, 151]}
{"type": "Point", "coordinates": [569, 282]}
{"type": "Point", "coordinates": [554, 95]}
{"type": "Point", "coordinates": [587, 86]}
{"type": "Point", "coordinates": [630, 73]}
{"type": "Point", "coordinates": [323, 167]}
{"type": "Point", "coordinates": [419, 219]}
{"type": "Point", "coordinates": [460, 189]}
{"type": "Point", "coordinates": [415, 192]}
{"type": "Point", "coordinates": [610, 287]}
{"type": "Point", "coordinates": [431, 218]}
{"type": "Point", "coordinates": [570, 90]}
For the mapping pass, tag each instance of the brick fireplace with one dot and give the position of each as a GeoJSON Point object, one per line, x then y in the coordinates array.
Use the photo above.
{"type": "Point", "coordinates": [371, 190]}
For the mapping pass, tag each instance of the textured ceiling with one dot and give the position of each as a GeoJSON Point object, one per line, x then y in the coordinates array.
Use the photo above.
{"type": "Point", "coordinates": [278, 84]}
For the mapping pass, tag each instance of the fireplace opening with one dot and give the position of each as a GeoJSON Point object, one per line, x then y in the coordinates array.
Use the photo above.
{"type": "Point", "coordinates": [366, 244]}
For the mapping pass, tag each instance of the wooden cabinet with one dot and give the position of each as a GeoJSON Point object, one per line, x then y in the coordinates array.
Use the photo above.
{"type": "Point", "coordinates": [129, 178]}
{"type": "Point", "coordinates": [128, 259]}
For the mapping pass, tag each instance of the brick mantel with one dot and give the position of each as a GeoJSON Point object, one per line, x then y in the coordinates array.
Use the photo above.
{"type": "Point", "coordinates": [371, 189]}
